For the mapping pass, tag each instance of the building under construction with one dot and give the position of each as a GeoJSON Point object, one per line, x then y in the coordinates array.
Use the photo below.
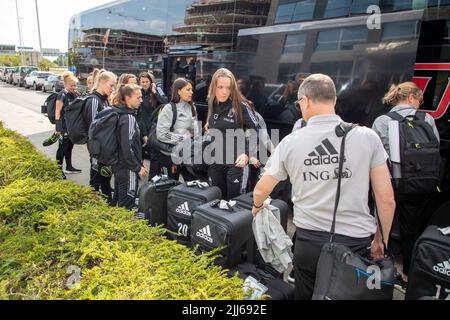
{"type": "Point", "coordinates": [214, 24]}
{"type": "Point", "coordinates": [125, 52]}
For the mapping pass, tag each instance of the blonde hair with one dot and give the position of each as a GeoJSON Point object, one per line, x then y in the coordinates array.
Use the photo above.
{"type": "Point", "coordinates": [401, 92]}
{"type": "Point", "coordinates": [237, 99]}
{"type": "Point", "coordinates": [103, 76]}
{"type": "Point", "coordinates": [69, 77]}
{"type": "Point", "coordinates": [95, 73]}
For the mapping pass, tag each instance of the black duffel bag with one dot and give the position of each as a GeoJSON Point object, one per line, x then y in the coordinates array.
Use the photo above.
{"type": "Point", "coordinates": [344, 275]}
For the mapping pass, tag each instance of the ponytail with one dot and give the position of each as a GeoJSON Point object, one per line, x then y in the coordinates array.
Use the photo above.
{"type": "Point", "coordinates": [401, 92]}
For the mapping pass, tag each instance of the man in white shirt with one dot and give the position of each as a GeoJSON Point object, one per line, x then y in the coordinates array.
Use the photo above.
{"type": "Point", "coordinates": [310, 158]}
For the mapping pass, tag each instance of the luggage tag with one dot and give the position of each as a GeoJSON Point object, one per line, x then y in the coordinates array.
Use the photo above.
{"type": "Point", "coordinates": [254, 288]}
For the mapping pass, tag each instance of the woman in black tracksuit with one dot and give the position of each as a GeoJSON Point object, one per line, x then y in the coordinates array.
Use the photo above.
{"type": "Point", "coordinates": [152, 97]}
{"type": "Point", "coordinates": [65, 97]}
{"type": "Point", "coordinates": [98, 100]}
{"type": "Point", "coordinates": [129, 167]}
{"type": "Point", "coordinates": [231, 116]}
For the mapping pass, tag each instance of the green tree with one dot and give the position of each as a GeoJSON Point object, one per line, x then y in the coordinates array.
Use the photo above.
{"type": "Point", "coordinates": [62, 61]}
{"type": "Point", "coordinates": [45, 64]}
{"type": "Point", "coordinates": [10, 60]}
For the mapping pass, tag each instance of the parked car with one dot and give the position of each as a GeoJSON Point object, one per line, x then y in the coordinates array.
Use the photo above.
{"type": "Point", "coordinates": [36, 79]}
{"type": "Point", "coordinates": [8, 76]}
{"type": "Point", "coordinates": [4, 72]}
{"type": "Point", "coordinates": [53, 83]}
{"type": "Point", "coordinates": [20, 73]}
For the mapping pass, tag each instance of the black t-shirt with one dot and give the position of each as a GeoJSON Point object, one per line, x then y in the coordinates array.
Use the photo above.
{"type": "Point", "coordinates": [224, 119]}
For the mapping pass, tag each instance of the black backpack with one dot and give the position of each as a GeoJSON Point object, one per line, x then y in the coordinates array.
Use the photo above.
{"type": "Point", "coordinates": [154, 142]}
{"type": "Point", "coordinates": [429, 275]}
{"type": "Point", "coordinates": [77, 129]}
{"type": "Point", "coordinates": [419, 155]}
{"type": "Point", "coordinates": [103, 142]}
{"type": "Point", "coordinates": [49, 107]}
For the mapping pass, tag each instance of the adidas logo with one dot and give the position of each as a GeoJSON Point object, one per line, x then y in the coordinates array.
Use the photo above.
{"type": "Point", "coordinates": [443, 268]}
{"type": "Point", "coordinates": [184, 209]}
{"type": "Point", "coordinates": [205, 234]}
{"type": "Point", "coordinates": [325, 153]}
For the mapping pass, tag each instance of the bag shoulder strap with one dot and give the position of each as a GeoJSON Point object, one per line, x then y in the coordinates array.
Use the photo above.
{"type": "Point", "coordinates": [395, 116]}
{"type": "Point", "coordinates": [174, 115]}
{"type": "Point", "coordinates": [420, 115]}
{"type": "Point", "coordinates": [341, 131]}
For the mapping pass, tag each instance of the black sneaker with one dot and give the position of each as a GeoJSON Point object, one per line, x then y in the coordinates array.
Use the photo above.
{"type": "Point", "coordinates": [72, 170]}
{"type": "Point", "coordinates": [291, 277]}
{"type": "Point", "coordinates": [49, 141]}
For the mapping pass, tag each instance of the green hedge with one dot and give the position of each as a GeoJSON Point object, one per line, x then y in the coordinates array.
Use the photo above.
{"type": "Point", "coordinates": [19, 160]}
{"type": "Point", "coordinates": [50, 227]}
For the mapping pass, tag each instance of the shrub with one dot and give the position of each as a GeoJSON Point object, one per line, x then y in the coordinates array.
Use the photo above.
{"type": "Point", "coordinates": [19, 160]}
{"type": "Point", "coordinates": [49, 227]}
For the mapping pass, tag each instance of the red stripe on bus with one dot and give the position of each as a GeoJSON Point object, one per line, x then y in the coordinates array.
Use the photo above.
{"type": "Point", "coordinates": [432, 66]}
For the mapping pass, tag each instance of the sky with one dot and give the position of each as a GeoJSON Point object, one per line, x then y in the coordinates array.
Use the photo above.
{"type": "Point", "coordinates": [54, 16]}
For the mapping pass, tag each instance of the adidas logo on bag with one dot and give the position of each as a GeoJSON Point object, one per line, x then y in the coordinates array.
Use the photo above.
{"type": "Point", "coordinates": [443, 268]}
{"type": "Point", "coordinates": [184, 209]}
{"type": "Point", "coordinates": [325, 153]}
{"type": "Point", "coordinates": [205, 234]}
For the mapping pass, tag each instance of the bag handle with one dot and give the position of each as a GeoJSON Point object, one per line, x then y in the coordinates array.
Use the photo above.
{"type": "Point", "coordinates": [198, 184]}
{"type": "Point", "coordinates": [216, 203]}
{"type": "Point", "coordinates": [341, 131]}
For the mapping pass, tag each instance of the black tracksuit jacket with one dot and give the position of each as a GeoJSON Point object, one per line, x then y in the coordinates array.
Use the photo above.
{"type": "Point", "coordinates": [94, 104]}
{"type": "Point", "coordinates": [130, 146]}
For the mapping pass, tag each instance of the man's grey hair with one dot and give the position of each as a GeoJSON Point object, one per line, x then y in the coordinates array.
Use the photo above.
{"type": "Point", "coordinates": [318, 87]}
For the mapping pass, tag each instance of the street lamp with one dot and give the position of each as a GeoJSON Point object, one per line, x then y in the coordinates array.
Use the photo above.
{"type": "Point", "coordinates": [39, 26]}
{"type": "Point", "coordinates": [18, 25]}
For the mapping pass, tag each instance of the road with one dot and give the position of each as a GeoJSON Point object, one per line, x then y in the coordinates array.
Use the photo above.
{"type": "Point", "coordinates": [20, 110]}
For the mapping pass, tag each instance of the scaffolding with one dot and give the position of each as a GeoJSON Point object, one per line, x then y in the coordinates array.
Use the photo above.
{"type": "Point", "coordinates": [217, 22]}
